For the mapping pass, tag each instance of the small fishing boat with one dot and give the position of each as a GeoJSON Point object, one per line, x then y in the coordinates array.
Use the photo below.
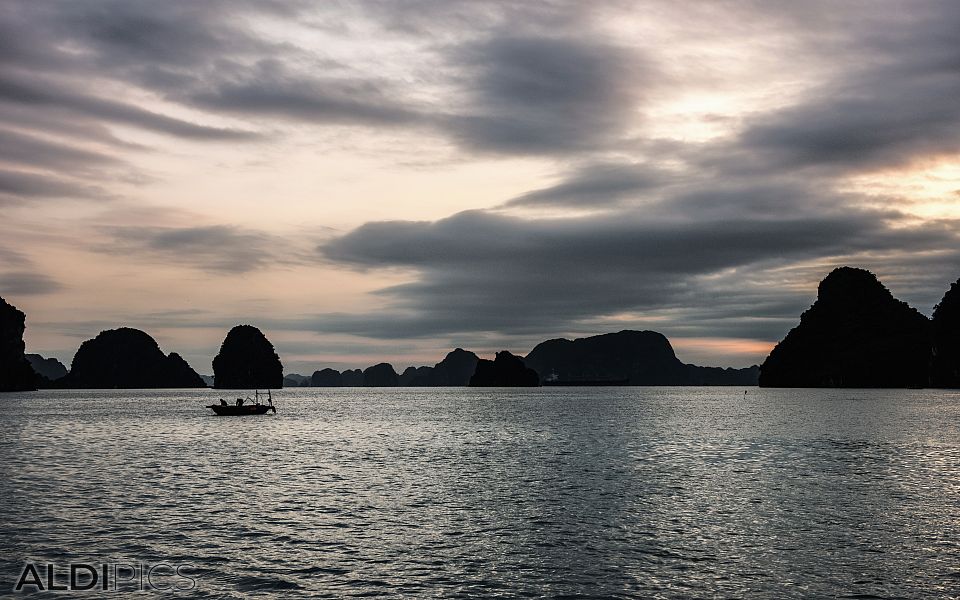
{"type": "Point", "coordinates": [245, 407]}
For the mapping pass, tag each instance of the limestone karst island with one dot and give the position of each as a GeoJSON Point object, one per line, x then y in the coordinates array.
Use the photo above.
{"type": "Point", "coordinates": [855, 335]}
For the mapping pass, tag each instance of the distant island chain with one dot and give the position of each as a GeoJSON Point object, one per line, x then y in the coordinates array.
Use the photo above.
{"type": "Point", "coordinates": [856, 334]}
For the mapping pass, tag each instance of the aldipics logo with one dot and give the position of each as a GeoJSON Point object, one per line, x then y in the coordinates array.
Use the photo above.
{"type": "Point", "coordinates": [110, 577]}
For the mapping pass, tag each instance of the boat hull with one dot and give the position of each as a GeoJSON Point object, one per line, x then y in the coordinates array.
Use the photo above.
{"type": "Point", "coordinates": [231, 410]}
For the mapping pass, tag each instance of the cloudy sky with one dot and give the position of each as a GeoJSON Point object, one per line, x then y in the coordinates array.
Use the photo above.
{"type": "Point", "coordinates": [373, 181]}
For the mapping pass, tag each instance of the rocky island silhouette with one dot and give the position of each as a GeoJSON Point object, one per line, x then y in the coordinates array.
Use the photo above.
{"type": "Point", "coordinates": [856, 334]}
{"type": "Point", "coordinates": [506, 370]}
{"type": "Point", "coordinates": [945, 359]}
{"type": "Point", "coordinates": [16, 374]}
{"type": "Point", "coordinates": [247, 360]}
{"type": "Point", "coordinates": [633, 357]}
{"type": "Point", "coordinates": [49, 368]}
{"type": "Point", "coordinates": [127, 358]}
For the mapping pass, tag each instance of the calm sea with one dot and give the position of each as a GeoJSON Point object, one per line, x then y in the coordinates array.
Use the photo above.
{"type": "Point", "coordinates": [557, 492]}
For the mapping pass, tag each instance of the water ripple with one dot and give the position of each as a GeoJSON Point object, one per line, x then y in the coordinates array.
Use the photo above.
{"type": "Point", "coordinates": [459, 493]}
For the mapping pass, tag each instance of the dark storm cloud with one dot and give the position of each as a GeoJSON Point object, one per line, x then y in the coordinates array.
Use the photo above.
{"type": "Point", "coordinates": [218, 249]}
{"type": "Point", "coordinates": [544, 93]}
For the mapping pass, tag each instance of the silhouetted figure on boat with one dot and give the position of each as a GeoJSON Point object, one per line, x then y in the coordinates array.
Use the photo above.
{"type": "Point", "coordinates": [242, 407]}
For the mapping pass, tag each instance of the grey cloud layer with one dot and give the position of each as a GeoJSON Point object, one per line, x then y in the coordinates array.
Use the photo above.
{"type": "Point", "coordinates": [716, 246]}
{"type": "Point", "coordinates": [542, 93]}
{"type": "Point", "coordinates": [74, 69]}
{"type": "Point", "coordinates": [19, 276]}
{"type": "Point", "coordinates": [710, 237]}
{"type": "Point", "coordinates": [892, 104]}
{"type": "Point", "coordinates": [26, 283]}
{"type": "Point", "coordinates": [16, 185]}
{"type": "Point", "coordinates": [218, 249]}
{"type": "Point", "coordinates": [59, 96]}
{"type": "Point", "coordinates": [596, 185]}
{"type": "Point", "coordinates": [479, 271]}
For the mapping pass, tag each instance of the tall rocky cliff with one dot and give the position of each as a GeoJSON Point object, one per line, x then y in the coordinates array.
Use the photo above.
{"type": "Point", "coordinates": [856, 334]}
{"type": "Point", "coordinates": [247, 360]}
{"type": "Point", "coordinates": [945, 370]}
{"type": "Point", "coordinates": [455, 369]}
{"type": "Point", "coordinates": [15, 372]}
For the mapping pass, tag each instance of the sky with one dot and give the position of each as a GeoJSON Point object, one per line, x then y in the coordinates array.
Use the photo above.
{"type": "Point", "coordinates": [387, 180]}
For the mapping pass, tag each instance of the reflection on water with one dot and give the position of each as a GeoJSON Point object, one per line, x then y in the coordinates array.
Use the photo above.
{"type": "Point", "coordinates": [603, 492]}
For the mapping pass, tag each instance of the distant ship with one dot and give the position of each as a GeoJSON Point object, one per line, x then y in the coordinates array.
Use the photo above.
{"type": "Point", "coordinates": [554, 379]}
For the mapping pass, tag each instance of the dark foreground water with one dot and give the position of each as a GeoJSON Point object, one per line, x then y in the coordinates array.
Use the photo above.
{"type": "Point", "coordinates": [597, 492]}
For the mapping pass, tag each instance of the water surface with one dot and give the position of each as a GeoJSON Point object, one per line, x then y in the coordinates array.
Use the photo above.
{"type": "Point", "coordinates": [558, 492]}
